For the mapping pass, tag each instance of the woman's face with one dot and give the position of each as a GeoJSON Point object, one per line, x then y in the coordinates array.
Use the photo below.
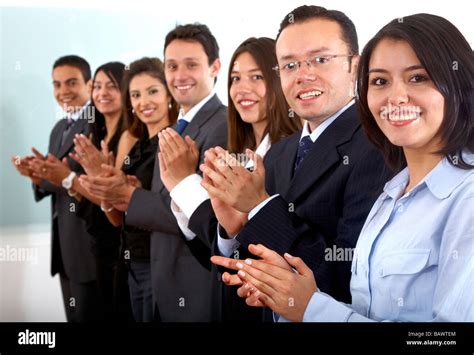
{"type": "Point", "coordinates": [106, 95]}
{"type": "Point", "coordinates": [149, 98]}
{"type": "Point", "coordinates": [247, 90]}
{"type": "Point", "coordinates": [404, 100]}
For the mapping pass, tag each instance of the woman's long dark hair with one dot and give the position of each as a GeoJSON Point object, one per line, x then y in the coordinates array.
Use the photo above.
{"type": "Point", "coordinates": [281, 121]}
{"type": "Point", "coordinates": [449, 61]}
{"type": "Point", "coordinates": [154, 68]}
{"type": "Point", "coordinates": [114, 71]}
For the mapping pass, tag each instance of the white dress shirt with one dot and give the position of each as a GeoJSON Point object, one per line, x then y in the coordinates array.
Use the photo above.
{"type": "Point", "coordinates": [188, 195]}
{"type": "Point", "coordinates": [188, 116]}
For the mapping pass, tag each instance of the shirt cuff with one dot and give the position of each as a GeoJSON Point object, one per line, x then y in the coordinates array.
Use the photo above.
{"type": "Point", "coordinates": [189, 194]}
{"type": "Point", "coordinates": [226, 246]}
{"type": "Point", "coordinates": [183, 221]}
{"type": "Point", "coordinates": [262, 204]}
{"type": "Point", "coordinates": [324, 308]}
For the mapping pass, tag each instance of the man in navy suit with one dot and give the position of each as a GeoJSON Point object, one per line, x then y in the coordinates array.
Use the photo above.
{"type": "Point", "coordinates": [313, 193]}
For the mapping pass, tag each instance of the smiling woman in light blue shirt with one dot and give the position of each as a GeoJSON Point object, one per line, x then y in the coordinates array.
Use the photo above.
{"type": "Point", "coordinates": [414, 260]}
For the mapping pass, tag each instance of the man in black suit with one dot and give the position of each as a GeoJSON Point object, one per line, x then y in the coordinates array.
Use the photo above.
{"type": "Point", "coordinates": [318, 185]}
{"type": "Point", "coordinates": [55, 176]}
{"type": "Point", "coordinates": [182, 282]}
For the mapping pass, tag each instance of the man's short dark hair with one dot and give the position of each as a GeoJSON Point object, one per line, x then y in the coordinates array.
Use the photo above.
{"type": "Point", "coordinates": [76, 62]}
{"type": "Point", "coordinates": [195, 33]}
{"type": "Point", "coordinates": [306, 13]}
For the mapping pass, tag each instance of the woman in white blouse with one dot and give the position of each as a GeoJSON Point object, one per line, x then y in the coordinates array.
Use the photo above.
{"type": "Point", "coordinates": [414, 260]}
{"type": "Point", "coordinates": [258, 114]}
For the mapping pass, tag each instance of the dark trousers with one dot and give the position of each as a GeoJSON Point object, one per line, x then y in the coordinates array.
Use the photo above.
{"type": "Point", "coordinates": [139, 283]}
{"type": "Point", "coordinates": [113, 288]}
{"type": "Point", "coordinates": [82, 301]}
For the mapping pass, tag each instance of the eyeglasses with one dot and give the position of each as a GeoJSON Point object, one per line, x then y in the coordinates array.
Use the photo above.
{"type": "Point", "coordinates": [318, 62]}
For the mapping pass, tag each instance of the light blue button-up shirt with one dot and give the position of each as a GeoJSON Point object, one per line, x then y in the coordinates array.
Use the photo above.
{"type": "Point", "coordinates": [414, 260]}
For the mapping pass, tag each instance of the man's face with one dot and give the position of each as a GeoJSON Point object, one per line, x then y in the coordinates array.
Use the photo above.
{"type": "Point", "coordinates": [189, 76]}
{"type": "Point", "coordinates": [316, 92]}
{"type": "Point", "coordinates": [70, 89]}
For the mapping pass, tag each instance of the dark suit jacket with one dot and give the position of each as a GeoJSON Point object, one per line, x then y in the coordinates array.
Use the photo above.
{"type": "Point", "coordinates": [71, 244]}
{"type": "Point", "coordinates": [324, 204]}
{"type": "Point", "coordinates": [181, 277]}
{"type": "Point", "coordinates": [228, 306]}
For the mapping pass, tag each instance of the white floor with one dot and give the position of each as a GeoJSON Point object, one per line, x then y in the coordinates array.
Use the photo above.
{"type": "Point", "coordinates": [28, 293]}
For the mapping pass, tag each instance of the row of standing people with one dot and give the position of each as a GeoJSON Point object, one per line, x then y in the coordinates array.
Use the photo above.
{"type": "Point", "coordinates": [311, 194]}
{"type": "Point", "coordinates": [130, 106]}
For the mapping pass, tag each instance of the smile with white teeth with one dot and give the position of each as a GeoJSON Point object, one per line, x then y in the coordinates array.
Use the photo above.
{"type": "Point", "coordinates": [247, 102]}
{"type": "Point", "coordinates": [105, 101]}
{"type": "Point", "coordinates": [148, 111]}
{"type": "Point", "coordinates": [309, 94]}
{"type": "Point", "coordinates": [401, 113]}
{"type": "Point", "coordinates": [403, 117]}
{"type": "Point", "coordinates": [183, 87]}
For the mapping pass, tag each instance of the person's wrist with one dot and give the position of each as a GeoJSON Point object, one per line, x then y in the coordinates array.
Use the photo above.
{"type": "Point", "coordinates": [172, 184]}
{"type": "Point", "coordinates": [176, 180]}
{"type": "Point", "coordinates": [129, 190]}
{"type": "Point", "coordinates": [67, 181]}
{"type": "Point", "coordinates": [263, 196]}
{"type": "Point", "coordinates": [258, 200]}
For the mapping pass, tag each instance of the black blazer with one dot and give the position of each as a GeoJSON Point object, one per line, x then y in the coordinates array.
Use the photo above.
{"type": "Point", "coordinates": [180, 270]}
{"type": "Point", "coordinates": [71, 244]}
{"type": "Point", "coordinates": [324, 204]}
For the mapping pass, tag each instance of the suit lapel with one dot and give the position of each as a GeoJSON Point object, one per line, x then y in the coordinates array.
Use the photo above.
{"type": "Point", "coordinates": [79, 127]}
{"type": "Point", "coordinates": [157, 184]}
{"type": "Point", "coordinates": [283, 174]}
{"type": "Point", "coordinates": [56, 138]}
{"type": "Point", "coordinates": [323, 154]}
{"type": "Point", "coordinates": [202, 116]}
{"type": "Point", "coordinates": [192, 130]}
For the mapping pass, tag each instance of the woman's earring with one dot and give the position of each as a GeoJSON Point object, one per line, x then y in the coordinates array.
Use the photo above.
{"type": "Point", "coordinates": [133, 111]}
{"type": "Point", "coordinates": [170, 106]}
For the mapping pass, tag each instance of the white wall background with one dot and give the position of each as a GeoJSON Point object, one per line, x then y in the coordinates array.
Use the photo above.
{"type": "Point", "coordinates": [27, 291]}
{"type": "Point", "coordinates": [34, 33]}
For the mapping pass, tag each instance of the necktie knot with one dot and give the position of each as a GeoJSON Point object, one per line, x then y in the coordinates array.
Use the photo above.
{"type": "Point", "coordinates": [303, 148]}
{"type": "Point", "coordinates": [69, 122]}
{"type": "Point", "coordinates": [181, 125]}
{"type": "Point", "coordinates": [67, 129]}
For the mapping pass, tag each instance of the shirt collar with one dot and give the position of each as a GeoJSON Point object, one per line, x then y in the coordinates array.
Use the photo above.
{"type": "Point", "coordinates": [441, 181]}
{"type": "Point", "coordinates": [325, 124]}
{"type": "Point", "coordinates": [74, 115]}
{"type": "Point", "coordinates": [445, 177]}
{"type": "Point", "coordinates": [264, 146]}
{"type": "Point", "coordinates": [395, 187]}
{"type": "Point", "coordinates": [194, 110]}
{"type": "Point", "coordinates": [261, 150]}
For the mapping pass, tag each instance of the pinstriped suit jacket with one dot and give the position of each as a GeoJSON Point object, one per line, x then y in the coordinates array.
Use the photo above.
{"type": "Point", "coordinates": [323, 206]}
